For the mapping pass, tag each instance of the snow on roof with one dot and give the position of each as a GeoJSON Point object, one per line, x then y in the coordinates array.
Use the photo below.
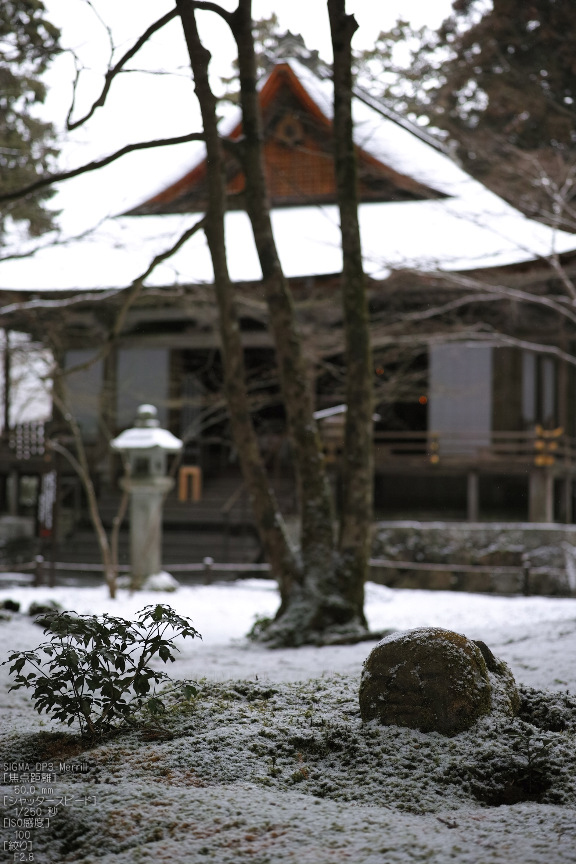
{"type": "Point", "coordinates": [146, 439]}
{"type": "Point", "coordinates": [449, 235]}
{"type": "Point", "coordinates": [471, 229]}
{"type": "Point", "coordinates": [398, 145]}
{"type": "Point", "coordinates": [146, 434]}
{"type": "Point", "coordinates": [334, 411]}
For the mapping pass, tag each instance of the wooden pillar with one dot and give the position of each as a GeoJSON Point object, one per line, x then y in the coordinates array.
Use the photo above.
{"type": "Point", "coordinates": [473, 497]}
{"type": "Point", "coordinates": [541, 503]}
{"type": "Point", "coordinates": [12, 484]}
{"type": "Point", "coordinates": [566, 514]}
{"type": "Point", "coordinates": [563, 390]}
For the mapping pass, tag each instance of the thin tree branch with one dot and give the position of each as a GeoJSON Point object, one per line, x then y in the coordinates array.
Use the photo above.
{"type": "Point", "coordinates": [138, 283]}
{"type": "Point", "coordinates": [58, 304]}
{"type": "Point", "coordinates": [82, 468]}
{"type": "Point", "coordinates": [132, 292]}
{"type": "Point", "coordinates": [514, 294]}
{"type": "Point", "coordinates": [562, 276]}
{"type": "Point", "coordinates": [104, 24]}
{"type": "Point", "coordinates": [540, 348]}
{"type": "Point", "coordinates": [99, 163]}
{"type": "Point", "coordinates": [58, 240]}
{"type": "Point", "coordinates": [486, 293]}
{"type": "Point", "coordinates": [115, 70]}
{"type": "Point", "coordinates": [472, 334]}
{"type": "Point", "coordinates": [59, 448]}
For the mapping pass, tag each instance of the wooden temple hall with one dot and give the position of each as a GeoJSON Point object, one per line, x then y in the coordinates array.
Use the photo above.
{"type": "Point", "coordinates": [474, 387]}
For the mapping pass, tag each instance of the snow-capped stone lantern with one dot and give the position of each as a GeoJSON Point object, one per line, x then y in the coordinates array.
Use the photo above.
{"type": "Point", "coordinates": [146, 447]}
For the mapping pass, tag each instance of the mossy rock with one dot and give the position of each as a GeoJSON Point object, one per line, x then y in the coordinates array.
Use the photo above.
{"type": "Point", "coordinates": [434, 680]}
{"type": "Point", "coordinates": [38, 611]}
{"type": "Point", "coordinates": [11, 605]}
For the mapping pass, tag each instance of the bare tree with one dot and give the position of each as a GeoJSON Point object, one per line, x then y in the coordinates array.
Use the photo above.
{"type": "Point", "coordinates": [79, 463]}
{"type": "Point", "coordinates": [281, 557]}
{"type": "Point", "coordinates": [321, 584]}
{"type": "Point", "coordinates": [323, 596]}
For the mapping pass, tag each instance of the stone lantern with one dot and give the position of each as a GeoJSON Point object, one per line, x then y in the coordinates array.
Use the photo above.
{"type": "Point", "coordinates": [146, 447]}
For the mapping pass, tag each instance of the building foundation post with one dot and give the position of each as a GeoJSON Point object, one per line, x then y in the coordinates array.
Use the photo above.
{"type": "Point", "coordinates": [541, 497]}
{"type": "Point", "coordinates": [473, 497]}
{"type": "Point", "coordinates": [566, 501]}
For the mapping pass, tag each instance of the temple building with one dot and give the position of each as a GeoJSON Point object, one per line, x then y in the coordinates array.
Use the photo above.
{"type": "Point", "coordinates": [472, 332]}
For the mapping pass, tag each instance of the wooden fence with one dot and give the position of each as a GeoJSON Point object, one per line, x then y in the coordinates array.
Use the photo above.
{"type": "Point", "coordinates": [526, 577]}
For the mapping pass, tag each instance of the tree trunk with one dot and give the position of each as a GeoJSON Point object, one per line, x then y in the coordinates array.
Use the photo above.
{"type": "Point", "coordinates": [80, 465]}
{"type": "Point", "coordinates": [6, 396]}
{"type": "Point", "coordinates": [314, 491]}
{"type": "Point", "coordinates": [278, 552]}
{"type": "Point", "coordinates": [319, 606]}
{"type": "Point", "coordinates": [314, 607]}
{"type": "Point", "coordinates": [357, 464]}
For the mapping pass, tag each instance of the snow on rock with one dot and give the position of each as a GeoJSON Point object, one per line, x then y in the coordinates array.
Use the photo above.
{"type": "Point", "coordinates": [434, 680]}
{"type": "Point", "coordinates": [162, 581]}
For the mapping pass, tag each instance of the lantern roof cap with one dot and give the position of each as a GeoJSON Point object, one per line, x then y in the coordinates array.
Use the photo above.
{"type": "Point", "coordinates": [147, 415]}
{"type": "Point", "coordinates": [146, 434]}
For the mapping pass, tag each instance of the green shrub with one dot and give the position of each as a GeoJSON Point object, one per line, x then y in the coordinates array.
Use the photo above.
{"type": "Point", "coordinates": [96, 672]}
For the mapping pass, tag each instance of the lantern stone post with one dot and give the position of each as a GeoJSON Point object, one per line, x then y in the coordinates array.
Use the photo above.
{"type": "Point", "coordinates": [146, 447]}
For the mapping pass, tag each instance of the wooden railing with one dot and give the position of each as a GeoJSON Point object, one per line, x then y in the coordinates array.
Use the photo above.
{"type": "Point", "coordinates": [535, 447]}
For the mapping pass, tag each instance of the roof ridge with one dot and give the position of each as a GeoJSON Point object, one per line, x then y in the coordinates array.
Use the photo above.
{"type": "Point", "coordinates": [323, 72]}
{"type": "Point", "coordinates": [378, 104]}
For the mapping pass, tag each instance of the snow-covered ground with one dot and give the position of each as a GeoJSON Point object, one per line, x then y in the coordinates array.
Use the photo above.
{"type": "Point", "coordinates": [279, 769]}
